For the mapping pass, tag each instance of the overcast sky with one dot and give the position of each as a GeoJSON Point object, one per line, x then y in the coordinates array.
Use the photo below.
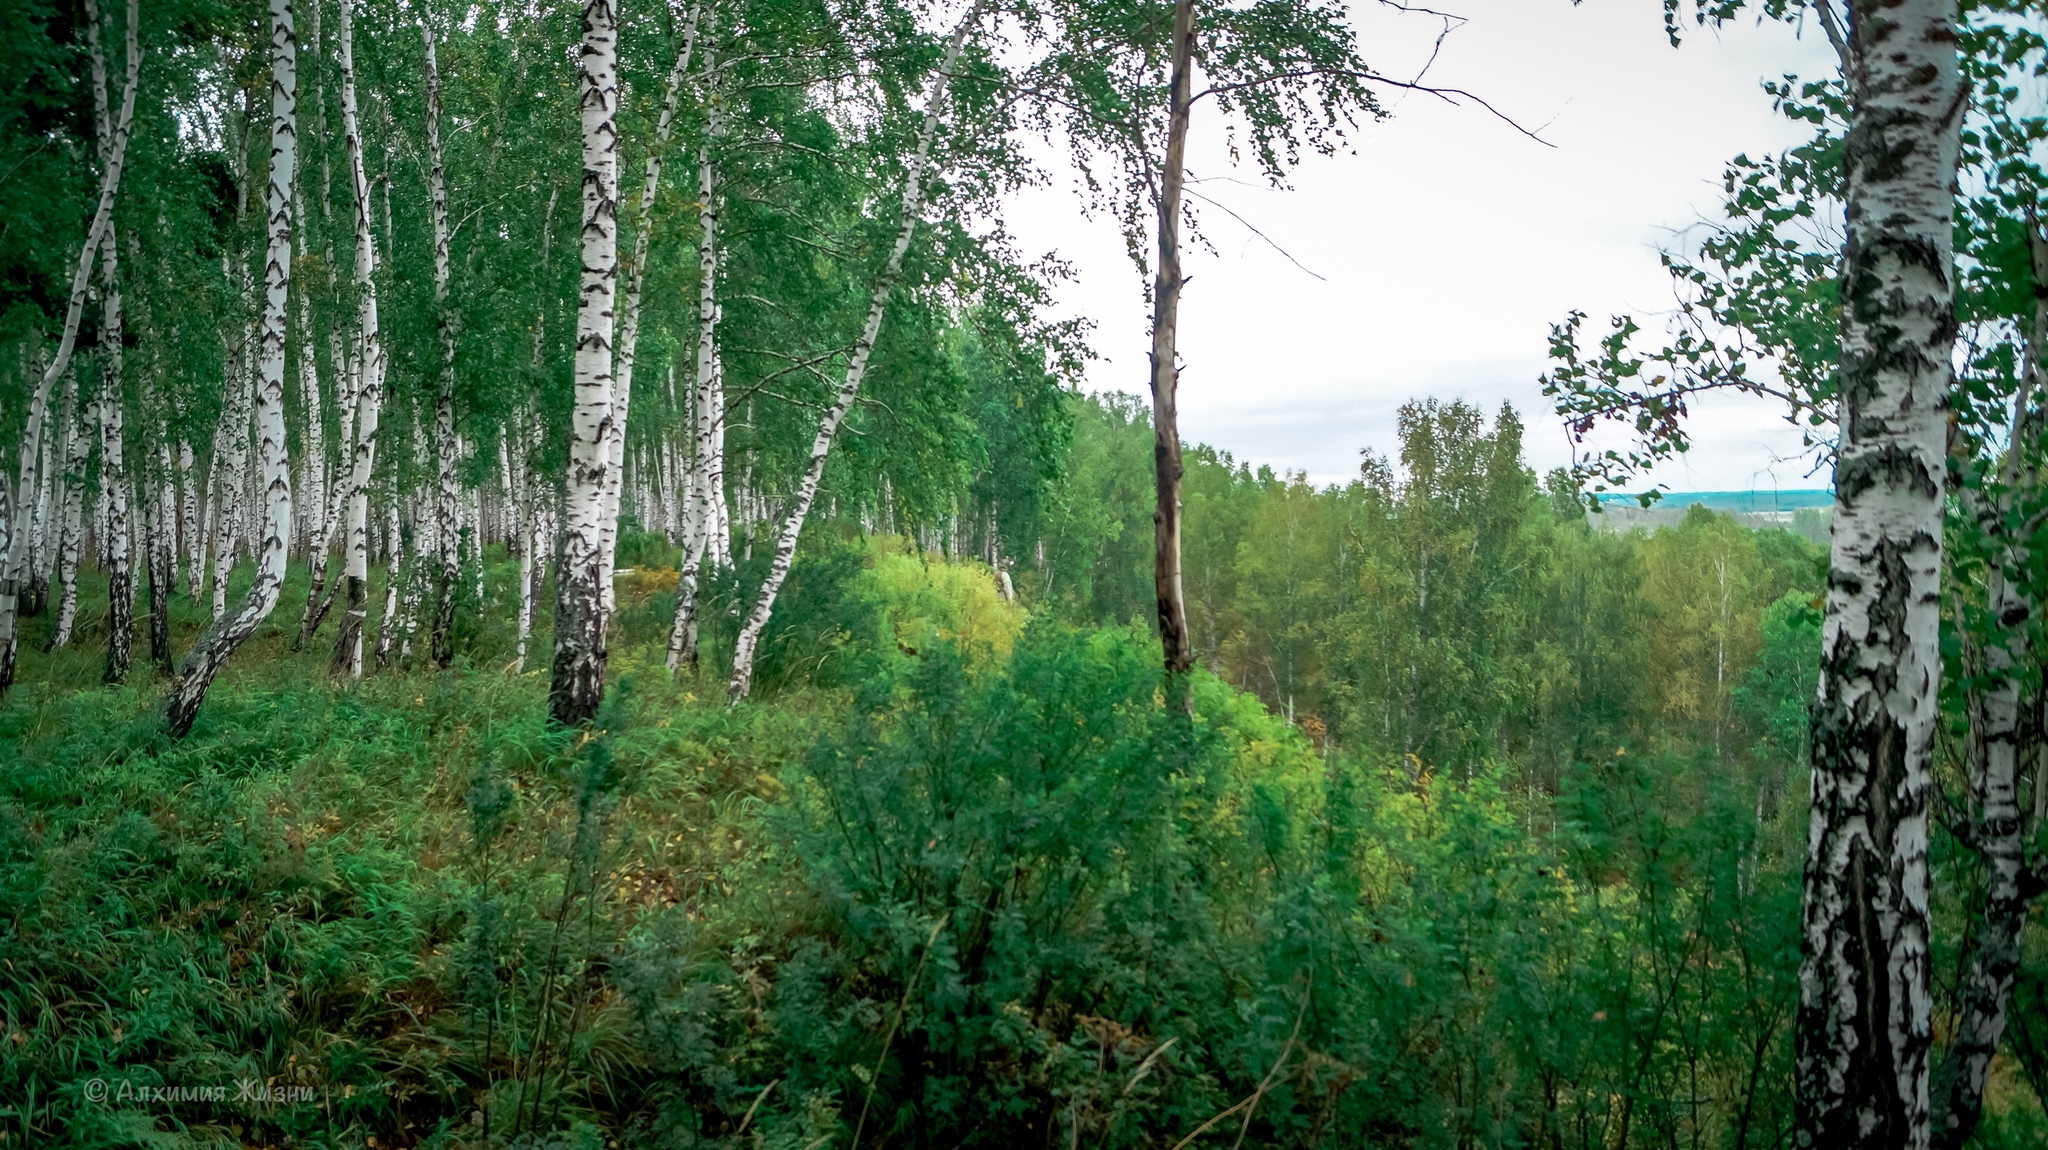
{"type": "Point", "coordinates": [1448, 244]}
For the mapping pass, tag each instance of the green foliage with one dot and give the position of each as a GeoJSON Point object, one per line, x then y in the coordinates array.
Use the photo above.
{"type": "Point", "coordinates": [1779, 692]}
{"type": "Point", "coordinates": [981, 898]}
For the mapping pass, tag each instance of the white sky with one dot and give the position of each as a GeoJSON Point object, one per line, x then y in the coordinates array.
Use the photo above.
{"type": "Point", "coordinates": [1449, 243]}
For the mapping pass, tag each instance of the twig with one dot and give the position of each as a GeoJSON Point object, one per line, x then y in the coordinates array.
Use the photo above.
{"type": "Point", "coordinates": [756, 1106]}
{"type": "Point", "coordinates": [1253, 1100]}
{"type": "Point", "coordinates": [1255, 231]}
{"type": "Point", "coordinates": [1308, 992]}
{"type": "Point", "coordinates": [1447, 95]}
{"type": "Point", "coordinates": [875, 1078]}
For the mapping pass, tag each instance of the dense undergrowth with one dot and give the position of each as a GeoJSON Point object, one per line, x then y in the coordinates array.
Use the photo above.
{"type": "Point", "coordinates": [962, 880]}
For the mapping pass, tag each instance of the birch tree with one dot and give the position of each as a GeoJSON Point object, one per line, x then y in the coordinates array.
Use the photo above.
{"type": "Point", "coordinates": [707, 461]}
{"type": "Point", "coordinates": [1166, 463]}
{"type": "Point", "coordinates": [214, 645]}
{"type": "Point", "coordinates": [70, 510]}
{"type": "Point", "coordinates": [447, 491]}
{"type": "Point", "coordinates": [370, 362]}
{"type": "Point", "coordinates": [577, 683]}
{"type": "Point", "coordinates": [629, 318]}
{"type": "Point", "coordinates": [1863, 1031]}
{"type": "Point", "coordinates": [114, 157]}
{"type": "Point", "coordinates": [115, 544]}
{"type": "Point", "coordinates": [856, 370]}
{"type": "Point", "coordinates": [1289, 73]}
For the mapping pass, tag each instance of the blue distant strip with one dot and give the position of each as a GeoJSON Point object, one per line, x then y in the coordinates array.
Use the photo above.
{"type": "Point", "coordinates": [1738, 501]}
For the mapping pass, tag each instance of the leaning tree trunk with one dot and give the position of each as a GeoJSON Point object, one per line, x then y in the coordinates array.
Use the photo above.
{"type": "Point", "coordinates": [856, 370]}
{"type": "Point", "coordinates": [1862, 1034]}
{"type": "Point", "coordinates": [113, 158]}
{"type": "Point", "coordinates": [629, 319]}
{"type": "Point", "coordinates": [699, 520]}
{"type": "Point", "coordinates": [448, 494]}
{"type": "Point", "coordinates": [1999, 743]}
{"type": "Point", "coordinates": [577, 683]}
{"type": "Point", "coordinates": [1166, 464]}
{"type": "Point", "coordinates": [348, 643]}
{"type": "Point", "coordinates": [219, 640]}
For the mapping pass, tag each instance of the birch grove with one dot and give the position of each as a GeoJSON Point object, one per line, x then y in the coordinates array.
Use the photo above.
{"type": "Point", "coordinates": [856, 370]}
{"type": "Point", "coordinates": [113, 156]}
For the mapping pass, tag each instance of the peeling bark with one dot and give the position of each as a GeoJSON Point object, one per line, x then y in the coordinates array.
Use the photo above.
{"type": "Point", "coordinates": [1863, 1033]}
{"type": "Point", "coordinates": [577, 683]}
{"type": "Point", "coordinates": [2000, 743]}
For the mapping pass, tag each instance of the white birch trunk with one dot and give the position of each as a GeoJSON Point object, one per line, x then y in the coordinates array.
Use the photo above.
{"type": "Point", "coordinates": [348, 645]}
{"type": "Point", "coordinates": [701, 520]}
{"type": "Point", "coordinates": [577, 683]}
{"type": "Point", "coordinates": [113, 463]}
{"type": "Point", "coordinates": [1999, 744]}
{"type": "Point", "coordinates": [163, 543]}
{"type": "Point", "coordinates": [319, 597]}
{"type": "Point", "coordinates": [521, 498]}
{"type": "Point", "coordinates": [445, 509]}
{"type": "Point", "coordinates": [314, 517]}
{"type": "Point", "coordinates": [214, 645]}
{"type": "Point", "coordinates": [189, 531]}
{"type": "Point", "coordinates": [856, 371]}
{"type": "Point", "coordinates": [394, 571]}
{"type": "Point", "coordinates": [629, 318]}
{"type": "Point", "coordinates": [114, 474]}
{"type": "Point", "coordinates": [1863, 1030]}
{"type": "Point", "coordinates": [40, 550]}
{"type": "Point", "coordinates": [14, 553]}
{"type": "Point", "coordinates": [71, 513]}
{"type": "Point", "coordinates": [230, 457]}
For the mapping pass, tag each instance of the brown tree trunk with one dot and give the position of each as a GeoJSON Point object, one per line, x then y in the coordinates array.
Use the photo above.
{"type": "Point", "coordinates": [1166, 285]}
